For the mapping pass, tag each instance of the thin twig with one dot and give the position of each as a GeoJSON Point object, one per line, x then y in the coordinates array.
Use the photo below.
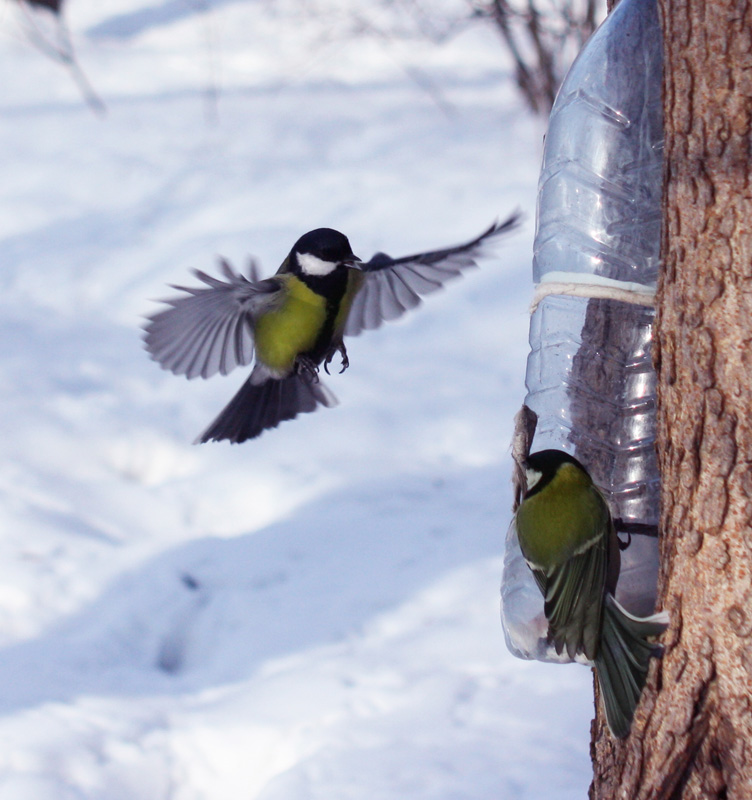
{"type": "Point", "coordinates": [62, 52]}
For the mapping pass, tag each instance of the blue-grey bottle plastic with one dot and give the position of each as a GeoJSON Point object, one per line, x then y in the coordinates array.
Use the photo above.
{"type": "Point", "coordinates": [590, 376]}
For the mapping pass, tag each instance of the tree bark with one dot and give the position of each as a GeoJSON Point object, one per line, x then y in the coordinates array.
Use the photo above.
{"type": "Point", "coordinates": [692, 735]}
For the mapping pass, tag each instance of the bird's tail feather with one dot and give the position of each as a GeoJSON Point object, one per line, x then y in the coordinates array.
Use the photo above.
{"type": "Point", "coordinates": [622, 662]}
{"type": "Point", "coordinates": [259, 406]}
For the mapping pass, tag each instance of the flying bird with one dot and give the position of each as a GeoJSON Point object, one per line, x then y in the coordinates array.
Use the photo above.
{"type": "Point", "coordinates": [290, 324]}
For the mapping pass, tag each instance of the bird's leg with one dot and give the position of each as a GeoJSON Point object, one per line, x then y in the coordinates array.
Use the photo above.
{"type": "Point", "coordinates": [304, 365]}
{"type": "Point", "coordinates": [339, 347]}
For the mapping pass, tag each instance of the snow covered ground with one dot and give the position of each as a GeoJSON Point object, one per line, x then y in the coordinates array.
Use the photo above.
{"type": "Point", "coordinates": [313, 614]}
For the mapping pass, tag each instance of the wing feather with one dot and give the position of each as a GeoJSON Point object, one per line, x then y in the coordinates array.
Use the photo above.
{"type": "Point", "coordinates": [183, 343]}
{"type": "Point", "coordinates": [574, 594]}
{"type": "Point", "coordinates": [208, 329]}
{"type": "Point", "coordinates": [392, 286]}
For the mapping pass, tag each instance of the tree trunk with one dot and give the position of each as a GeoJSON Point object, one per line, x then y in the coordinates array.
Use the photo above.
{"type": "Point", "coordinates": [692, 735]}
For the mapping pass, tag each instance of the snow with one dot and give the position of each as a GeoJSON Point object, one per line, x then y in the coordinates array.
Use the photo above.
{"type": "Point", "coordinates": [313, 614]}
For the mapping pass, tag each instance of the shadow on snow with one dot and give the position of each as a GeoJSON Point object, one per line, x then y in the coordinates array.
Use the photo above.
{"type": "Point", "coordinates": [215, 610]}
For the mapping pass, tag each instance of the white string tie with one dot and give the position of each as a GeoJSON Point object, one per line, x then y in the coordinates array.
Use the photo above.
{"type": "Point", "coordinates": [594, 287]}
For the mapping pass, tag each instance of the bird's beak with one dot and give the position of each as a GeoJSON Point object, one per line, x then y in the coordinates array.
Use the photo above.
{"type": "Point", "coordinates": [353, 262]}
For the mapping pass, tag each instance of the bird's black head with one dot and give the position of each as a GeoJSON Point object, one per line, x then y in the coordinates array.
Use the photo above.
{"type": "Point", "coordinates": [543, 465]}
{"type": "Point", "coordinates": [320, 252]}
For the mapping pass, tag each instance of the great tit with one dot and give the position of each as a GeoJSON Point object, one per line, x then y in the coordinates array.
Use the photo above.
{"type": "Point", "coordinates": [567, 537]}
{"type": "Point", "coordinates": [293, 321]}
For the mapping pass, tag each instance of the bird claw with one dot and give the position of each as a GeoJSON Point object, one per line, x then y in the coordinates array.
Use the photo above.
{"type": "Point", "coordinates": [338, 348]}
{"type": "Point", "coordinates": [308, 367]}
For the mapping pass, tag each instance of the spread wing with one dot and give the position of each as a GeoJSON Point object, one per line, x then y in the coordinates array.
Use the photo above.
{"type": "Point", "coordinates": [209, 329]}
{"type": "Point", "coordinates": [387, 287]}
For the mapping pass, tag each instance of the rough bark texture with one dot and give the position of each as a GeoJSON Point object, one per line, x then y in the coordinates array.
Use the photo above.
{"type": "Point", "coordinates": [692, 736]}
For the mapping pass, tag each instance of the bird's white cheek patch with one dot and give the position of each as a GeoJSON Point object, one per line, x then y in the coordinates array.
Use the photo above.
{"type": "Point", "coordinates": [533, 476]}
{"type": "Point", "coordinates": [311, 265]}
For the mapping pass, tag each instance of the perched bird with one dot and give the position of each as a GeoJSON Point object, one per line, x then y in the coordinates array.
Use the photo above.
{"type": "Point", "coordinates": [293, 321]}
{"type": "Point", "coordinates": [567, 537]}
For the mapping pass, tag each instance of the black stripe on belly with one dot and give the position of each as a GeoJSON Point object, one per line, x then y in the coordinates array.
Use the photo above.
{"type": "Point", "coordinates": [332, 287]}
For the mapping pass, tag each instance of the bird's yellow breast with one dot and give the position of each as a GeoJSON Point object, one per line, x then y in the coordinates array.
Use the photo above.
{"type": "Point", "coordinates": [563, 517]}
{"type": "Point", "coordinates": [291, 329]}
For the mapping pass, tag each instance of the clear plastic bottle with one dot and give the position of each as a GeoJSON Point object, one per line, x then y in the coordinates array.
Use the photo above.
{"type": "Point", "coordinates": [590, 376]}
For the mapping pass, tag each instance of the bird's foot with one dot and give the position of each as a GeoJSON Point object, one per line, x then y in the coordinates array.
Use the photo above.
{"type": "Point", "coordinates": [337, 348]}
{"type": "Point", "coordinates": [308, 367]}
